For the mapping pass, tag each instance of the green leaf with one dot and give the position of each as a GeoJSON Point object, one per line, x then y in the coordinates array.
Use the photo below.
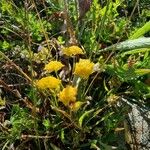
{"type": "Point", "coordinates": [136, 51]}
{"type": "Point", "coordinates": [142, 71]}
{"type": "Point", "coordinates": [46, 123]}
{"type": "Point", "coordinates": [5, 45]}
{"type": "Point", "coordinates": [107, 116]}
{"type": "Point", "coordinates": [62, 135]}
{"type": "Point", "coordinates": [141, 31]}
{"type": "Point", "coordinates": [105, 86]}
{"type": "Point", "coordinates": [128, 45]}
{"type": "Point", "coordinates": [83, 116]}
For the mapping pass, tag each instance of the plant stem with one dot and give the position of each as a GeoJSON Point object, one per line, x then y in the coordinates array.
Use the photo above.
{"type": "Point", "coordinates": [17, 67]}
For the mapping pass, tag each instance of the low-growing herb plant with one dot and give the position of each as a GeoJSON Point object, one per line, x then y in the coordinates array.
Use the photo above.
{"type": "Point", "coordinates": [66, 77]}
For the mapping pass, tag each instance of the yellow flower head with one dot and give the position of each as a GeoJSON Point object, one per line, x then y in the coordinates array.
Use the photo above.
{"type": "Point", "coordinates": [53, 66]}
{"type": "Point", "coordinates": [48, 83]}
{"type": "Point", "coordinates": [68, 95]}
{"type": "Point", "coordinates": [84, 68]}
{"type": "Point", "coordinates": [76, 105]}
{"type": "Point", "coordinates": [72, 50]}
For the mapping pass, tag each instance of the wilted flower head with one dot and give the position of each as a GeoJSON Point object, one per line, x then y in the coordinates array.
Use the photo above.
{"type": "Point", "coordinates": [112, 99]}
{"type": "Point", "coordinates": [48, 83]}
{"type": "Point", "coordinates": [84, 68]}
{"type": "Point", "coordinates": [68, 95]}
{"type": "Point", "coordinates": [72, 50]}
{"type": "Point", "coordinates": [53, 66]}
{"type": "Point", "coordinates": [75, 106]}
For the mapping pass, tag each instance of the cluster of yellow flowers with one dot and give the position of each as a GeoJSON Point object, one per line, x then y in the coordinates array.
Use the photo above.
{"type": "Point", "coordinates": [72, 50]}
{"type": "Point", "coordinates": [53, 66]}
{"type": "Point", "coordinates": [68, 97]}
{"type": "Point", "coordinates": [49, 82]}
{"type": "Point", "coordinates": [84, 68]}
{"type": "Point", "coordinates": [68, 94]}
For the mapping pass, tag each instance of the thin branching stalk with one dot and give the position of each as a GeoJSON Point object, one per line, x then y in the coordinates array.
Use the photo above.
{"type": "Point", "coordinates": [17, 67]}
{"type": "Point", "coordinates": [136, 5]}
{"type": "Point", "coordinates": [25, 136]}
{"type": "Point", "coordinates": [70, 30]}
{"type": "Point", "coordinates": [42, 28]}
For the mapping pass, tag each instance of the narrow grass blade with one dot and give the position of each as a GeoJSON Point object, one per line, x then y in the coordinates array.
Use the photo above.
{"type": "Point", "coordinates": [141, 31]}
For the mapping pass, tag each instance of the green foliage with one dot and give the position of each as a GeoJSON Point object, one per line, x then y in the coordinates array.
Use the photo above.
{"type": "Point", "coordinates": [21, 121]}
{"type": "Point", "coordinates": [37, 32]}
{"type": "Point", "coordinates": [6, 6]}
{"type": "Point", "coordinates": [21, 23]}
{"type": "Point", "coordinates": [5, 45]}
{"type": "Point", "coordinates": [103, 25]}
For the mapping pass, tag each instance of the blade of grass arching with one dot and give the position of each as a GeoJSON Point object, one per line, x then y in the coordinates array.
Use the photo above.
{"type": "Point", "coordinates": [135, 51]}
{"type": "Point", "coordinates": [141, 72]}
{"type": "Point", "coordinates": [141, 31]}
{"type": "Point", "coordinates": [4, 147]}
{"type": "Point", "coordinates": [128, 45]}
{"type": "Point", "coordinates": [85, 114]}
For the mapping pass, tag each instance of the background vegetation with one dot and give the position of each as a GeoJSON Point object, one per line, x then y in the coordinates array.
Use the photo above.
{"type": "Point", "coordinates": [113, 34]}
